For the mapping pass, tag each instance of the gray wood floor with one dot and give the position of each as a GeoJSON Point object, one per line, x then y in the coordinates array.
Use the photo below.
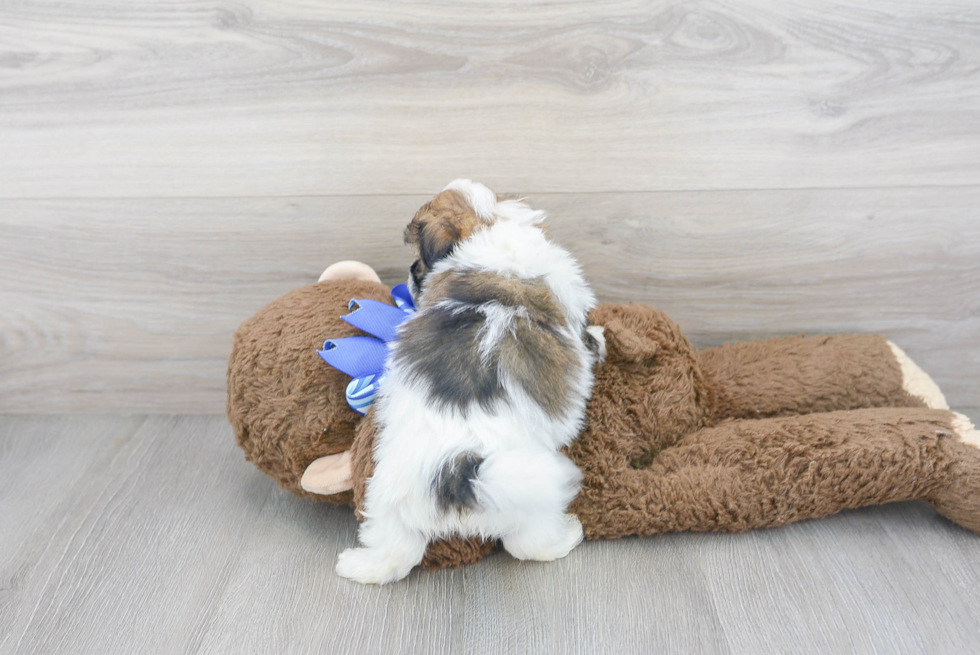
{"type": "Point", "coordinates": [152, 535]}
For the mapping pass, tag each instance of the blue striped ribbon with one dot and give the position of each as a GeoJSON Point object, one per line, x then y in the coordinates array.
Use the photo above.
{"type": "Point", "coordinates": [364, 358]}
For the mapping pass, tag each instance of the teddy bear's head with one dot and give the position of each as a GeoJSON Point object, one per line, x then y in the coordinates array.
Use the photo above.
{"type": "Point", "coordinates": [287, 407]}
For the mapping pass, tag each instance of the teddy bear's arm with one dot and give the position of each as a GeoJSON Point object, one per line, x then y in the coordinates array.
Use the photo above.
{"type": "Point", "coordinates": [797, 375]}
{"type": "Point", "coordinates": [746, 474]}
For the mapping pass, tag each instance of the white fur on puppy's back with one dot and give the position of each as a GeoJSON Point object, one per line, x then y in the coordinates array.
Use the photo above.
{"type": "Point", "coordinates": [515, 445]}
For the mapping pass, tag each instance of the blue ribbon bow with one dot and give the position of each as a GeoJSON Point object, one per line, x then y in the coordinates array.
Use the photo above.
{"type": "Point", "coordinates": [363, 358]}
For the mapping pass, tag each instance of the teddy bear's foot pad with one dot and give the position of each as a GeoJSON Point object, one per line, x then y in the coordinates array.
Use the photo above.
{"type": "Point", "coordinates": [965, 430]}
{"type": "Point", "coordinates": [917, 382]}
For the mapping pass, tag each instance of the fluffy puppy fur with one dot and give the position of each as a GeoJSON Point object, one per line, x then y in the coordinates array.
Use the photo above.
{"type": "Point", "coordinates": [485, 384]}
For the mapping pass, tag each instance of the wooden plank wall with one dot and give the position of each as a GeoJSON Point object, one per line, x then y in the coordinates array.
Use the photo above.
{"type": "Point", "coordinates": [754, 168]}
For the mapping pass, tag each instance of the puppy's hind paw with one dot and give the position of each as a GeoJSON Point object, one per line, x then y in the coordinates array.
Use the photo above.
{"type": "Point", "coordinates": [546, 545]}
{"type": "Point", "coordinates": [572, 536]}
{"type": "Point", "coordinates": [371, 566]}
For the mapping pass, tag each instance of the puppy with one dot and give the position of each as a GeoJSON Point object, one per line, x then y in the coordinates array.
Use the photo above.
{"type": "Point", "coordinates": [486, 382]}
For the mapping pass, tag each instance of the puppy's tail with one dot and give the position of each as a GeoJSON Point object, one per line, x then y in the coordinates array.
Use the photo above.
{"type": "Point", "coordinates": [521, 481]}
{"type": "Point", "coordinates": [454, 483]}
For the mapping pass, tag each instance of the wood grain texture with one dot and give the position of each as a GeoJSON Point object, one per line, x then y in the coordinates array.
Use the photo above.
{"type": "Point", "coordinates": [40, 460]}
{"type": "Point", "coordinates": [854, 584]}
{"type": "Point", "coordinates": [261, 98]}
{"type": "Point", "coordinates": [130, 305]}
{"type": "Point", "coordinates": [142, 542]}
{"type": "Point", "coordinates": [754, 168]}
{"type": "Point", "coordinates": [162, 539]}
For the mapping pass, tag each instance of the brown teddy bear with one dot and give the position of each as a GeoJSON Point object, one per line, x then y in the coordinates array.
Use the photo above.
{"type": "Point", "coordinates": [731, 438]}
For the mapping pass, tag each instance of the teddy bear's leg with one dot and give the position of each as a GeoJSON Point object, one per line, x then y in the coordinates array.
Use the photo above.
{"type": "Point", "coordinates": [746, 474]}
{"type": "Point", "coordinates": [797, 375]}
{"type": "Point", "coordinates": [957, 497]}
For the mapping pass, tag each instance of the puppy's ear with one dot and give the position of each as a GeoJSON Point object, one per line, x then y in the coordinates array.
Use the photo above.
{"type": "Point", "coordinates": [441, 224]}
{"type": "Point", "coordinates": [412, 229]}
{"type": "Point", "coordinates": [433, 236]}
{"type": "Point", "coordinates": [437, 240]}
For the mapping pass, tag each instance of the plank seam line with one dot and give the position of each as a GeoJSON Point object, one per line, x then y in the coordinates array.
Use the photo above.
{"type": "Point", "coordinates": [539, 192]}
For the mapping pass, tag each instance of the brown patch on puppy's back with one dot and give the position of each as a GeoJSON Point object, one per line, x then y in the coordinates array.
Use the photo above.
{"type": "Point", "coordinates": [441, 346]}
{"type": "Point", "coordinates": [535, 351]}
{"type": "Point", "coordinates": [437, 287]}
{"type": "Point", "coordinates": [540, 359]}
{"type": "Point", "coordinates": [479, 287]}
{"type": "Point", "coordinates": [453, 486]}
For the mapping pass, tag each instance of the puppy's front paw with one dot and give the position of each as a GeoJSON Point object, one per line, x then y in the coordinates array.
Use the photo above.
{"type": "Point", "coordinates": [371, 566]}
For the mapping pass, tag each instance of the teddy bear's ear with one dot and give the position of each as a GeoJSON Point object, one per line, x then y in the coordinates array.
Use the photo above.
{"type": "Point", "coordinates": [328, 475]}
{"type": "Point", "coordinates": [627, 345]}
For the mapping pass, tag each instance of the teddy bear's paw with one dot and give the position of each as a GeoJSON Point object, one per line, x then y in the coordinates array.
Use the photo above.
{"type": "Point", "coordinates": [917, 382]}
{"type": "Point", "coordinates": [542, 545]}
{"type": "Point", "coordinates": [372, 566]}
{"type": "Point", "coordinates": [965, 430]}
